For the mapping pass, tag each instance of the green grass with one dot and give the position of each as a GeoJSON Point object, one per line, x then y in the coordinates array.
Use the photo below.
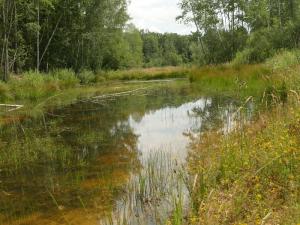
{"type": "Point", "coordinates": [250, 173]}
{"type": "Point", "coordinates": [156, 73]}
{"type": "Point", "coordinates": [32, 87]}
{"type": "Point", "coordinates": [244, 80]}
{"type": "Point", "coordinates": [251, 176]}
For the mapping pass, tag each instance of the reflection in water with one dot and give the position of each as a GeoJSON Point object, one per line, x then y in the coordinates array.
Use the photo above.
{"type": "Point", "coordinates": [90, 156]}
{"type": "Point", "coordinates": [165, 128]}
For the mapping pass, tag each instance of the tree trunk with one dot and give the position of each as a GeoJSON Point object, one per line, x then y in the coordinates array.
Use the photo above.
{"type": "Point", "coordinates": [38, 38]}
{"type": "Point", "coordinates": [5, 42]}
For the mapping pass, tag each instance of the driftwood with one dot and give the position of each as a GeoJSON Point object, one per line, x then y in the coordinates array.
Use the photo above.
{"type": "Point", "coordinates": [14, 107]}
{"type": "Point", "coordinates": [119, 94]}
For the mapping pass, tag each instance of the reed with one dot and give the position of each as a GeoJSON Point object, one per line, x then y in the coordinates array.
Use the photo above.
{"type": "Point", "coordinates": [156, 193]}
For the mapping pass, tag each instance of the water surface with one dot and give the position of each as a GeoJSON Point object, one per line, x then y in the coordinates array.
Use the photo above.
{"type": "Point", "coordinates": [90, 153]}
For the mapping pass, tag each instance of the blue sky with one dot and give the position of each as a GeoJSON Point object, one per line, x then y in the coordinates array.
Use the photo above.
{"type": "Point", "coordinates": [157, 15]}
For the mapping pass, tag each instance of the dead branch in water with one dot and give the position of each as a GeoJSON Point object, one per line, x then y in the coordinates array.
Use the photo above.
{"type": "Point", "coordinates": [119, 94]}
{"type": "Point", "coordinates": [15, 107]}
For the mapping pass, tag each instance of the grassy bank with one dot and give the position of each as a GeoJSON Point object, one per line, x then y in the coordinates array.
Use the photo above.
{"type": "Point", "coordinates": [155, 73]}
{"type": "Point", "coordinates": [34, 90]}
{"type": "Point", "coordinates": [251, 176]}
{"type": "Point", "coordinates": [272, 77]}
{"type": "Point", "coordinates": [230, 80]}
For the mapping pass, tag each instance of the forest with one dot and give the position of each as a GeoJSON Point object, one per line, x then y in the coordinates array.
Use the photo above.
{"type": "Point", "coordinates": [77, 35]}
{"type": "Point", "coordinates": [44, 35]}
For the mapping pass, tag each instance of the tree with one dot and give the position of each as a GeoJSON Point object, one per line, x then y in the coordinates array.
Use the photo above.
{"type": "Point", "coordinates": [223, 26]}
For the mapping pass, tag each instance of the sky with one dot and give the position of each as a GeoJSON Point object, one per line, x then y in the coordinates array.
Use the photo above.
{"type": "Point", "coordinates": [158, 16]}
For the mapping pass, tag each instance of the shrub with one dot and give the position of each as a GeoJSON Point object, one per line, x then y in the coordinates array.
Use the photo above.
{"type": "Point", "coordinates": [258, 48]}
{"type": "Point", "coordinates": [172, 59]}
{"type": "Point", "coordinates": [4, 92]}
{"type": "Point", "coordinates": [284, 59]}
{"type": "Point", "coordinates": [66, 78]}
{"type": "Point", "coordinates": [257, 166]}
{"type": "Point", "coordinates": [242, 57]}
{"type": "Point", "coordinates": [100, 79]}
{"type": "Point", "coordinates": [87, 77]}
{"type": "Point", "coordinates": [30, 86]}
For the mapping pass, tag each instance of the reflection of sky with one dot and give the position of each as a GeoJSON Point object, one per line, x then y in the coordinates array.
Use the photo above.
{"type": "Point", "coordinates": [164, 129]}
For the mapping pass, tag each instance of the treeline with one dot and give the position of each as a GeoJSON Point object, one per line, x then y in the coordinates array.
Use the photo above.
{"type": "Point", "coordinates": [43, 35]}
{"type": "Point", "coordinates": [244, 30]}
{"type": "Point", "coordinates": [167, 49]}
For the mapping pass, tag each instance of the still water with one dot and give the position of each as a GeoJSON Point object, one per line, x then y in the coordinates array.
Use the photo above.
{"type": "Point", "coordinates": [109, 161]}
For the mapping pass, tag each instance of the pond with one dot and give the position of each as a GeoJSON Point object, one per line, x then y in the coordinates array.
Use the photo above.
{"type": "Point", "coordinates": [108, 160]}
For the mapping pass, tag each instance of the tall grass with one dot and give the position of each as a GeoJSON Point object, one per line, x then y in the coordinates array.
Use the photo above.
{"type": "Point", "coordinates": [284, 60]}
{"type": "Point", "coordinates": [156, 193]}
{"type": "Point", "coordinates": [251, 176]}
{"type": "Point", "coordinates": [31, 86]}
{"type": "Point", "coordinates": [230, 80]}
{"type": "Point", "coordinates": [148, 73]}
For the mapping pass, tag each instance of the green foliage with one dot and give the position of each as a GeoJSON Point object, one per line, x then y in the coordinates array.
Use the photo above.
{"type": "Point", "coordinates": [66, 78]}
{"type": "Point", "coordinates": [172, 59]}
{"type": "Point", "coordinates": [72, 34]}
{"type": "Point", "coordinates": [242, 57]}
{"type": "Point", "coordinates": [148, 73]}
{"type": "Point", "coordinates": [32, 86]}
{"type": "Point", "coordinates": [251, 30]}
{"type": "Point", "coordinates": [166, 49]}
{"type": "Point", "coordinates": [284, 59]}
{"type": "Point", "coordinates": [259, 45]}
{"type": "Point", "coordinates": [4, 92]}
{"type": "Point", "coordinates": [133, 48]}
{"type": "Point", "coordinates": [239, 81]}
{"type": "Point", "coordinates": [86, 77]}
{"type": "Point", "coordinates": [257, 166]}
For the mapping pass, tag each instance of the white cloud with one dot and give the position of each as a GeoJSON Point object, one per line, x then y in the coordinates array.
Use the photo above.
{"type": "Point", "coordinates": [158, 16]}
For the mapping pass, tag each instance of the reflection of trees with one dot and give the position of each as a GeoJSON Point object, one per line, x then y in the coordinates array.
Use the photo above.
{"type": "Point", "coordinates": [90, 153]}
{"type": "Point", "coordinates": [218, 113]}
{"type": "Point", "coordinates": [101, 153]}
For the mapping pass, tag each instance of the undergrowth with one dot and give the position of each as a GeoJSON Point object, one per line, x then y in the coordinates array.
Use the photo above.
{"type": "Point", "coordinates": [148, 73]}
{"type": "Point", "coordinates": [31, 86]}
{"type": "Point", "coordinates": [251, 176]}
{"type": "Point", "coordinates": [244, 80]}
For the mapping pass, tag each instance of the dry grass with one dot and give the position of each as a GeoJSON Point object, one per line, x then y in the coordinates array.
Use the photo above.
{"type": "Point", "coordinates": [252, 175]}
{"type": "Point", "coordinates": [148, 73]}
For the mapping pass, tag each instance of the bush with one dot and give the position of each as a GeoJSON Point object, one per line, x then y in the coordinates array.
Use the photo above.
{"type": "Point", "coordinates": [258, 49]}
{"type": "Point", "coordinates": [257, 166]}
{"type": "Point", "coordinates": [87, 77]}
{"type": "Point", "coordinates": [4, 92]}
{"type": "Point", "coordinates": [242, 57]}
{"type": "Point", "coordinates": [172, 59]}
{"type": "Point", "coordinates": [284, 59]}
{"type": "Point", "coordinates": [66, 78]}
{"type": "Point", "coordinates": [30, 86]}
{"type": "Point", "coordinates": [100, 79]}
